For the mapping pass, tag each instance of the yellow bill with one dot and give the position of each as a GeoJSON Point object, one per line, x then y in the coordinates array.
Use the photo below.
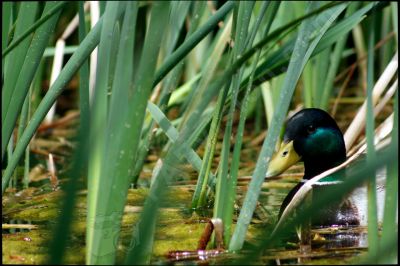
{"type": "Point", "coordinates": [283, 159]}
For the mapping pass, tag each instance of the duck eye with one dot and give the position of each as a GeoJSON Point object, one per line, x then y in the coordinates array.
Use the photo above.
{"type": "Point", "coordinates": [284, 153]}
{"type": "Point", "coordinates": [310, 129]}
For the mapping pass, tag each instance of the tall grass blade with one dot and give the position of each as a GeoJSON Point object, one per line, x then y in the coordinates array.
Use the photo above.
{"type": "Point", "coordinates": [373, 240]}
{"type": "Point", "coordinates": [191, 156]}
{"type": "Point", "coordinates": [61, 233]}
{"type": "Point", "coordinates": [395, 19]}
{"type": "Point", "coordinates": [24, 117]}
{"type": "Point", "coordinates": [97, 146]}
{"type": "Point", "coordinates": [321, 69]}
{"type": "Point", "coordinates": [5, 28]}
{"type": "Point", "coordinates": [80, 160]}
{"type": "Point", "coordinates": [391, 193]}
{"type": "Point", "coordinates": [83, 76]}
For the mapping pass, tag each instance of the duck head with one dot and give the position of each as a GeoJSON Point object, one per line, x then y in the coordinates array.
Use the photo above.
{"type": "Point", "coordinates": [311, 136]}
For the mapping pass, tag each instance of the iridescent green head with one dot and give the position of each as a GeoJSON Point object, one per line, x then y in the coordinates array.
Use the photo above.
{"type": "Point", "coordinates": [312, 136]}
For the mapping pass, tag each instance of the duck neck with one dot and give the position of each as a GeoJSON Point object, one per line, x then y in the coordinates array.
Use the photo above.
{"type": "Point", "coordinates": [315, 167]}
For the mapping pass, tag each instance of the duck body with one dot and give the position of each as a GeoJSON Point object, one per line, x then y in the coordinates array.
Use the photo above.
{"type": "Point", "coordinates": [312, 136]}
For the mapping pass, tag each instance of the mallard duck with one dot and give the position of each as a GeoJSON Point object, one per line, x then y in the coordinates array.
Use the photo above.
{"type": "Point", "coordinates": [312, 136]}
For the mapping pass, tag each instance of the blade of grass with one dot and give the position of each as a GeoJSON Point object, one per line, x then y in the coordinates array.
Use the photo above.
{"type": "Point", "coordinates": [191, 156]}
{"type": "Point", "coordinates": [179, 11]}
{"type": "Point", "coordinates": [373, 240]}
{"type": "Point", "coordinates": [260, 44]}
{"type": "Point", "coordinates": [391, 193]}
{"type": "Point", "coordinates": [348, 23]}
{"type": "Point", "coordinates": [395, 20]}
{"type": "Point", "coordinates": [309, 84]}
{"type": "Point", "coordinates": [61, 233]}
{"type": "Point", "coordinates": [144, 231]}
{"type": "Point", "coordinates": [83, 76]}
{"type": "Point", "coordinates": [84, 105]}
{"type": "Point", "coordinates": [5, 27]}
{"type": "Point", "coordinates": [25, 180]}
{"type": "Point", "coordinates": [80, 159]}
{"type": "Point", "coordinates": [181, 93]}
{"type": "Point", "coordinates": [286, 48]}
{"type": "Point", "coordinates": [321, 69]}
{"type": "Point", "coordinates": [113, 60]}
{"type": "Point", "coordinates": [185, 150]}
{"type": "Point", "coordinates": [196, 57]}
{"type": "Point", "coordinates": [50, 51]}
{"type": "Point", "coordinates": [97, 145]}
{"type": "Point", "coordinates": [21, 127]}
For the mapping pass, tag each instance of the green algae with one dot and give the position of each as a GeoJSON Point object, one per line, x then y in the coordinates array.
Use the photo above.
{"type": "Point", "coordinates": [176, 196]}
{"type": "Point", "coordinates": [31, 248]}
{"type": "Point", "coordinates": [42, 207]}
{"type": "Point", "coordinates": [177, 237]}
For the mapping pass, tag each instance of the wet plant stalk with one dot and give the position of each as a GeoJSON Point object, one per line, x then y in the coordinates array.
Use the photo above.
{"type": "Point", "coordinates": [373, 240]}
